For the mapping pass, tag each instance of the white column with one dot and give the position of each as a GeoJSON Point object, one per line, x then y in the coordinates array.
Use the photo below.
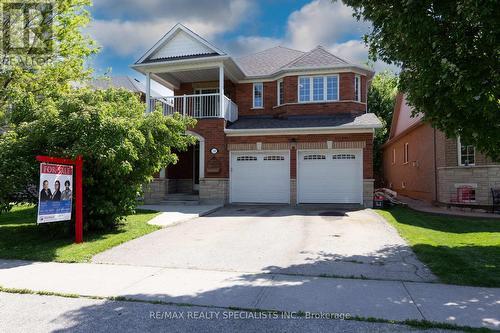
{"type": "Point", "coordinates": [148, 92]}
{"type": "Point", "coordinates": [221, 89]}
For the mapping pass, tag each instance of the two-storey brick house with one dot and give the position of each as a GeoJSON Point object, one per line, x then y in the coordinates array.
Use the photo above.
{"type": "Point", "coordinates": [277, 126]}
{"type": "Point", "coordinates": [423, 163]}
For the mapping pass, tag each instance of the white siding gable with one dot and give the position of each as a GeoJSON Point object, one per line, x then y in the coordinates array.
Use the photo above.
{"type": "Point", "coordinates": [180, 45]}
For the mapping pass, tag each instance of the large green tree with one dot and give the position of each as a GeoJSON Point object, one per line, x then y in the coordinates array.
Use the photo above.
{"type": "Point", "coordinates": [45, 50]}
{"type": "Point", "coordinates": [449, 52]}
{"type": "Point", "coordinates": [121, 146]}
{"type": "Point", "coordinates": [381, 99]}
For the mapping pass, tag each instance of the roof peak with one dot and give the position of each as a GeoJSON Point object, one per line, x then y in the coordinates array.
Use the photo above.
{"type": "Point", "coordinates": [269, 49]}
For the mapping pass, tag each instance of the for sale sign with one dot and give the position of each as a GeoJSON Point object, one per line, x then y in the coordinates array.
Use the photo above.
{"type": "Point", "coordinates": [55, 196]}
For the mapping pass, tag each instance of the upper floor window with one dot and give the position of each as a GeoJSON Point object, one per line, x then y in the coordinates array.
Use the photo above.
{"type": "Point", "coordinates": [405, 157]}
{"type": "Point", "coordinates": [258, 95]}
{"type": "Point", "coordinates": [318, 88]}
{"type": "Point", "coordinates": [466, 153]}
{"type": "Point", "coordinates": [357, 88]}
{"type": "Point", "coordinates": [281, 95]}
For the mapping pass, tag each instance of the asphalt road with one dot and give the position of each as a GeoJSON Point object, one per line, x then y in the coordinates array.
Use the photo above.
{"type": "Point", "coordinates": [34, 313]}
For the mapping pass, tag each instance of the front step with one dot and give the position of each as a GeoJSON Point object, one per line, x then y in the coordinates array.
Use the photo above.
{"type": "Point", "coordinates": [181, 199]}
{"type": "Point", "coordinates": [180, 202]}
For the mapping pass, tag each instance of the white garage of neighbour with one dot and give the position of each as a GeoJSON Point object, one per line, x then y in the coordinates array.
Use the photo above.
{"type": "Point", "coordinates": [330, 176]}
{"type": "Point", "coordinates": [260, 177]}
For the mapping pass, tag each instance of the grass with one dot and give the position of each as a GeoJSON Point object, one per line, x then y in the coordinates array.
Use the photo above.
{"type": "Point", "coordinates": [22, 238]}
{"type": "Point", "coordinates": [459, 250]}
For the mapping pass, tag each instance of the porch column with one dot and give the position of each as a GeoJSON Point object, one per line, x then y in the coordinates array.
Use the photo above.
{"type": "Point", "coordinates": [221, 90]}
{"type": "Point", "coordinates": [148, 92]}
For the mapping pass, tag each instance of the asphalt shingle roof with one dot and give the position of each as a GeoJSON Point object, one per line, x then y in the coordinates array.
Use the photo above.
{"type": "Point", "coordinates": [367, 120]}
{"type": "Point", "coordinates": [124, 82]}
{"type": "Point", "coordinates": [278, 58]}
{"type": "Point", "coordinates": [268, 61]}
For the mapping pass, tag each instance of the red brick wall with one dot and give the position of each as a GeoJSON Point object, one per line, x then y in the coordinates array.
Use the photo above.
{"type": "Point", "coordinates": [419, 173]}
{"type": "Point", "coordinates": [367, 152]}
{"type": "Point", "coordinates": [213, 132]}
{"type": "Point", "coordinates": [242, 95]}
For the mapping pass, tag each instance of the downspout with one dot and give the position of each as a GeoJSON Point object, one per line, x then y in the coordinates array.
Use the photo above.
{"type": "Point", "coordinates": [436, 198]}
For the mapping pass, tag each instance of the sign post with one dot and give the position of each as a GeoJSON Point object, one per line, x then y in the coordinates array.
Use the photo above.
{"type": "Point", "coordinates": [78, 163]}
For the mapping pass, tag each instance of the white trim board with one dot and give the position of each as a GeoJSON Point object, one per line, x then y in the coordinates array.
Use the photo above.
{"type": "Point", "coordinates": [296, 131]}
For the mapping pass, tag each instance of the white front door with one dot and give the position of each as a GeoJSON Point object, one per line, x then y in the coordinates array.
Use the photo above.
{"type": "Point", "coordinates": [330, 176]}
{"type": "Point", "coordinates": [260, 177]}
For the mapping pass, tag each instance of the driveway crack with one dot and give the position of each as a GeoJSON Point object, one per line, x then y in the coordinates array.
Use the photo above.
{"type": "Point", "coordinates": [413, 300]}
{"type": "Point", "coordinates": [262, 293]}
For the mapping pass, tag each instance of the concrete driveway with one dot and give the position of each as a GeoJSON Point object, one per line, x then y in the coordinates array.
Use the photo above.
{"type": "Point", "coordinates": [284, 240]}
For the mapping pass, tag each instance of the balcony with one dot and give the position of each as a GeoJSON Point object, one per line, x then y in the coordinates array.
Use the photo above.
{"type": "Point", "coordinates": [200, 106]}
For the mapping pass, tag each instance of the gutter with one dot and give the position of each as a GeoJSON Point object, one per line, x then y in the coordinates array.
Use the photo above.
{"type": "Point", "coordinates": [302, 130]}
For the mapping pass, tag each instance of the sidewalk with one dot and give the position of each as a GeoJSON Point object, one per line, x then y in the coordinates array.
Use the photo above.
{"type": "Point", "coordinates": [426, 207]}
{"type": "Point", "coordinates": [175, 214]}
{"type": "Point", "coordinates": [391, 300]}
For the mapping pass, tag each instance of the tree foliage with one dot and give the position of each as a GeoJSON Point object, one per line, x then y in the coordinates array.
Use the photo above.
{"type": "Point", "coordinates": [381, 99]}
{"type": "Point", "coordinates": [29, 75]}
{"type": "Point", "coordinates": [449, 52]}
{"type": "Point", "coordinates": [121, 146]}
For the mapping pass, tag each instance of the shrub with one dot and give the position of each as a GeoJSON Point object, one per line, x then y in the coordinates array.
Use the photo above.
{"type": "Point", "coordinates": [121, 146]}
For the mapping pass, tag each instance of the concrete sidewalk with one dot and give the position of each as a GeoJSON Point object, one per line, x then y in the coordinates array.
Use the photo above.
{"type": "Point", "coordinates": [175, 214]}
{"type": "Point", "coordinates": [392, 300]}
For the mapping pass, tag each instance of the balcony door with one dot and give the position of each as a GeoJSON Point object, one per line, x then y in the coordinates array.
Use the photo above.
{"type": "Point", "coordinates": [206, 106]}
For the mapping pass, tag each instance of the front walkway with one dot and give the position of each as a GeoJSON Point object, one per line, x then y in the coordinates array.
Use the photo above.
{"type": "Point", "coordinates": [175, 214]}
{"type": "Point", "coordinates": [427, 207]}
{"type": "Point", "coordinates": [391, 300]}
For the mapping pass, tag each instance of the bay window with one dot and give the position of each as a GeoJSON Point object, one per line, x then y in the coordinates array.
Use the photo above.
{"type": "Point", "coordinates": [318, 88]}
{"type": "Point", "coordinates": [281, 94]}
{"type": "Point", "coordinates": [258, 93]}
{"type": "Point", "coordinates": [357, 88]}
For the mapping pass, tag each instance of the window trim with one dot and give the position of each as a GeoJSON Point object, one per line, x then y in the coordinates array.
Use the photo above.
{"type": "Point", "coordinates": [393, 156]}
{"type": "Point", "coordinates": [459, 153]}
{"type": "Point", "coordinates": [325, 88]}
{"type": "Point", "coordinates": [406, 157]}
{"type": "Point", "coordinates": [279, 91]}
{"type": "Point", "coordinates": [357, 87]}
{"type": "Point", "coordinates": [253, 95]}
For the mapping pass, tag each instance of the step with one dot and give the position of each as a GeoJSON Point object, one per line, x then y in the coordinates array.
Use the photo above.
{"type": "Point", "coordinates": [182, 197]}
{"type": "Point", "coordinates": [180, 202]}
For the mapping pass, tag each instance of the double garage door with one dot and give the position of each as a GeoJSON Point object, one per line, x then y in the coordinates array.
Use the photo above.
{"type": "Point", "coordinates": [323, 176]}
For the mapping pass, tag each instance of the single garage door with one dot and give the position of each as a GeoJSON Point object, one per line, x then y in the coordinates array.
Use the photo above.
{"type": "Point", "coordinates": [260, 177]}
{"type": "Point", "coordinates": [330, 176]}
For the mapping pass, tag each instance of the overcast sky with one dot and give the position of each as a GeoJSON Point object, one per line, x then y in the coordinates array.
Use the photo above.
{"type": "Point", "coordinates": [126, 29]}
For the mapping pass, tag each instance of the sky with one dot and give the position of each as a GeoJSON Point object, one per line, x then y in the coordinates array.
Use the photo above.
{"type": "Point", "coordinates": [126, 29]}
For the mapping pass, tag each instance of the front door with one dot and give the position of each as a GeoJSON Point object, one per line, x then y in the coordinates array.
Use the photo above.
{"type": "Point", "coordinates": [196, 167]}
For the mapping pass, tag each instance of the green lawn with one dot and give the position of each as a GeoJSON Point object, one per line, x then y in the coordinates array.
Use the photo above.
{"type": "Point", "coordinates": [459, 250]}
{"type": "Point", "coordinates": [22, 238]}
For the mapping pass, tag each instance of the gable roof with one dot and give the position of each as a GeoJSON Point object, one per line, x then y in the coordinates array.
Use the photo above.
{"type": "Point", "coordinates": [179, 43]}
{"type": "Point", "coordinates": [268, 61]}
{"type": "Point", "coordinates": [317, 58]}
{"type": "Point", "coordinates": [121, 82]}
{"type": "Point", "coordinates": [276, 59]}
{"type": "Point", "coordinates": [402, 119]}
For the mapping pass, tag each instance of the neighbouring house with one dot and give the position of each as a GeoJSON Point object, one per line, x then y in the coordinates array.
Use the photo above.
{"type": "Point", "coordinates": [422, 163]}
{"type": "Point", "coordinates": [122, 82]}
{"type": "Point", "coordinates": [278, 126]}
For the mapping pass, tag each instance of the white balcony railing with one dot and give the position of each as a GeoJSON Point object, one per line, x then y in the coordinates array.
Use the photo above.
{"type": "Point", "coordinates": [197, 106]}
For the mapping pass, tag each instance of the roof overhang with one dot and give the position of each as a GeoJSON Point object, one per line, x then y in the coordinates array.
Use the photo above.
{"type": "Point", "coordinates": [300, 131]}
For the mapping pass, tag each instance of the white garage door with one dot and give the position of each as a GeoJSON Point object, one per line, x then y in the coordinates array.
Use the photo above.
{"type": "Point", "coordinates": [330, 176]}
{"type": "Point", "coordinates": [260, 177]}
